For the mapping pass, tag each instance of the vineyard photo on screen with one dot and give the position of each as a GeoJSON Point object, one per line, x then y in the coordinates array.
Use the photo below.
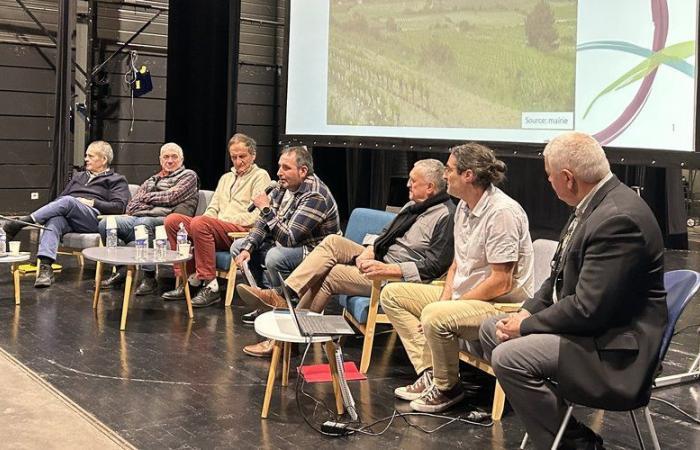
{"type": "Point", "coordinates": [449, 63]}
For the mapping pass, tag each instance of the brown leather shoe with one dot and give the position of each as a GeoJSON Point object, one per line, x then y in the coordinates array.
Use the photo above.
{"type": "Point", "coordinates": [261, 349]}
{"type": "Point", "coordinates": [253, 297]}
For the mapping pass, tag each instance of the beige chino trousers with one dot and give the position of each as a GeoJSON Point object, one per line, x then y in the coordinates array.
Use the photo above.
{"type": "Point", "coordinates": [444, 322]}
{"type": "Point", "coordinates": [329, 270]}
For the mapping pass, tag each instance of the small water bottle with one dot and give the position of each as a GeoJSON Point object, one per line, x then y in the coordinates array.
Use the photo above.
{"type": "Point", "coordinates": [181, 237]}
{"type": "Point", "coordinates": [3, 242]}
{"type": "Point", "coordinates": [141, 245]}
{"type": "Point", "coordinates": [112, 239]}
{"type": "Point", "coordinates": [160, 246]}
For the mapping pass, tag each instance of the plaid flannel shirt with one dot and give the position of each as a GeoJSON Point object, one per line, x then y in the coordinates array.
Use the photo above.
{"type": "Point", "coordinates": [312, 216]}
{"type": "Point", "coordinates": [165, 191]}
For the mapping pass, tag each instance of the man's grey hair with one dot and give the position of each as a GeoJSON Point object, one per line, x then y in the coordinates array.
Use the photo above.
{"type": "Point", "coordinates": [173, 147]}
{"type": "Point", "coordinates": [580, 153]}
{"type": "Point", "coordinates": [433, 171]}
{"type": "Point", "coordinates": [104, 148]}
{"type": "Point", "coordinates": [303, 157]}
{"type": "Point", "coordinates": [240, 138]}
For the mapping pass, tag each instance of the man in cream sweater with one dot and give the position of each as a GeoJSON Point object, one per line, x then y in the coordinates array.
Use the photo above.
{"type": "Point", "coordinates": [227, 212]}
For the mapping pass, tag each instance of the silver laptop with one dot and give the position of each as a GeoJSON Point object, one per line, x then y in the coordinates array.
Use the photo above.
{"type": "Point", "coordinates": [315, 325]}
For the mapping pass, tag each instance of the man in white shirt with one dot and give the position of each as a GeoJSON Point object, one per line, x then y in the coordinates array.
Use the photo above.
{"type": "Point", "coordinates": [493, 262]}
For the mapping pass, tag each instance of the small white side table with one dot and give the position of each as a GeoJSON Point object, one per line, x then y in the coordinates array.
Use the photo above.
{"type": "Point", "coordinates": [278, 325]}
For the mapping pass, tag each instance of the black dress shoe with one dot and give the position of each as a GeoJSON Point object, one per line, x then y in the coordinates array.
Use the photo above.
{"type": "Point", "coordinates": [205, 297]}
{"type": "Point", "coordinates": [251, 316]}
{"type": "Point", "coordinates": [577, 436]}
{"type": "Point", "coordinates": [115, 281]}
{"type": "Point", "coordinates": [44, 276]}
{"type": "Point", "coordinates": [175, 294]}
{"type": "Point", "coordinates": [148, 286]}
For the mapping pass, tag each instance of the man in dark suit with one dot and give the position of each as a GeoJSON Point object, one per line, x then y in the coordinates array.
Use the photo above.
{"type": "Point", "coordinates": [594, 328]}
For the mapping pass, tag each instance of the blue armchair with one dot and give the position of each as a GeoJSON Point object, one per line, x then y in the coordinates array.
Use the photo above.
{"type": "Point", "coordinates": [363, 312]}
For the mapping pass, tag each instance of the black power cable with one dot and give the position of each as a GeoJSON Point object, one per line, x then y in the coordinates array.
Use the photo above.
{"type": "Point", "coordinates": [476, 418]}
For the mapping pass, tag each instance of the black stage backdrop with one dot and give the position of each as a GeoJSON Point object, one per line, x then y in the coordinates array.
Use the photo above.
{"type": "Point", "coordinates": [200, 79]}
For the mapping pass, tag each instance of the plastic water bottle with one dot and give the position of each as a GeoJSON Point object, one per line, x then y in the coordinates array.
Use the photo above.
{"type": "Point", "coordinates": [181, 236]}
{"type": "Point", "coordinates": [160, 246]}
{"type": "Point", "coordinates": [112, 239]}
{"type": "Point", "coordinates": [141, 246]}
{"type": "Point", "coordinates": [3, 242]}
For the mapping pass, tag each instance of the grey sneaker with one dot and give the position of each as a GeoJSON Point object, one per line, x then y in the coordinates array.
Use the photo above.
{"type": "Point", "coordinates": [415, 390]}
{"type": "Point", "coordinates": [44, 276]}
{"type": "Point", "coordinates": [175, 294]}
{"type": "Point", "coordinates": [434, 400]}
{"type": "Point", "coordinates": [205, 297]}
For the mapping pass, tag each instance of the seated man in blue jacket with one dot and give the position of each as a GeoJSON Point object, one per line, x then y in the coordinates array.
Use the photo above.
{"type": "Point", "coordinates": [94, 191]}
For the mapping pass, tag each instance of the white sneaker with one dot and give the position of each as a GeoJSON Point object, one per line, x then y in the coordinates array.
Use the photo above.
{"type": "Point", "coordinates": [415, 390]}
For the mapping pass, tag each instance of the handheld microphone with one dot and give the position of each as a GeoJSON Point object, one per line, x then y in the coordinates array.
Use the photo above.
{"type": "Point", "coordinates": [268, 189]}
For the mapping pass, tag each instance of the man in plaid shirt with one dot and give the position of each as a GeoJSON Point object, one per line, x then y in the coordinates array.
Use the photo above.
{"type": "Point", "coordinates": [293, 220]}
{"type": "Point", "coordinates": [173, 189]}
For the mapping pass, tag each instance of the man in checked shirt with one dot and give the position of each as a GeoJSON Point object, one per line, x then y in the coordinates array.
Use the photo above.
{"type": "Point", "coordinates": [173, 189]}
{"type": "Point", "coordinates": [293, 220]}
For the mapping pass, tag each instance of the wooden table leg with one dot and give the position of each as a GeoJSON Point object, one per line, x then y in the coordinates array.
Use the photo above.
{"type": "Point", "coordinates": [98, 281]}
{"type": "Point", "coordinates": [287, 354]}
{"type": "Point", "coordinates": [15, 277]}
{"type": "Point", "coordinates": [127, 295]}
{"type": "Point", "coordinates": [330, 353]}
{"type": "Point", "coordinates": [188, 298]}
{"type": "Point", "coordinates": [276, 349]}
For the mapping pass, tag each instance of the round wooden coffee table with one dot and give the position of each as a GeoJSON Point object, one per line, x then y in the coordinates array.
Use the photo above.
{"type": "Point", "coordinates": [126, 256]}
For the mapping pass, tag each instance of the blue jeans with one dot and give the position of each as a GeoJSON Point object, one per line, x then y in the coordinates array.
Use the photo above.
{"type": "Point", "coordinates": [125, 230]}
{"type": "Point", "coordinates": [270, 258]}
{"type": "Point", "coordinates": [63, 215]}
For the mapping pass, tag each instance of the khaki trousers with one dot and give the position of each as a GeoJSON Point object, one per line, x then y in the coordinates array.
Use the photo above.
{"type": "Point", "coordinates": [444, 322]}
{"type": "Point", "coordinates": [329, 270]}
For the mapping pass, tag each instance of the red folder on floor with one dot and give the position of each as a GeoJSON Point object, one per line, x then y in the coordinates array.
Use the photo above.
{"type": "Point", "coordinates": [321, 373]}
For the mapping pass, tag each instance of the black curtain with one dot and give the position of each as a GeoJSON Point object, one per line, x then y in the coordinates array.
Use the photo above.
{"type": "Point", "coordinates": [201, 81]}
{"type": "Point", "coordinates": [62, 152]}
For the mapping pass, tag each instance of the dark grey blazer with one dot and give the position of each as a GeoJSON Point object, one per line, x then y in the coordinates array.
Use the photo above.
{"type": "Point", "coordinates": [612, 304]}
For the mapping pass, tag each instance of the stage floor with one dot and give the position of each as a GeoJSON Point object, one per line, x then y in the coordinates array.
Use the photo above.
{"type": "Point", "coordinates": [168, 382]}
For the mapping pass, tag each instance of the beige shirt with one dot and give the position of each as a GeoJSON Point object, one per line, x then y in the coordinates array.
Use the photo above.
{"type": "Point", "coordinates": [495, 231]}
{"type": "Point", "coordinates": [233, 194]}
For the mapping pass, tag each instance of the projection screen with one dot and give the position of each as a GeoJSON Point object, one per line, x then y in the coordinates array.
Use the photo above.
{"type": "Point", "coordinates": [494, 70]}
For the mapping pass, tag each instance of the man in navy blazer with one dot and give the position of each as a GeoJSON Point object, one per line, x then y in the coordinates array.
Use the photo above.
{"type": "Point", "coordinates": [595, 326]}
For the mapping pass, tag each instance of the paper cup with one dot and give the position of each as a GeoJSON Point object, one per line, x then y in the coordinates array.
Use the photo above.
{"type": "Point", "coordinates": [140, 232]}
{"type": "Point", "coordinates": [111, 222]}
{"type": "Point", "coordinates": [160, 232]}
{"type": "Point", "coordinates": [14, 247]}
{"type": "Point", "coordinates": [184, 250]}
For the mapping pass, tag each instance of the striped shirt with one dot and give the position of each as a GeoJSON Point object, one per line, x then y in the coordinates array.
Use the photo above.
{"type": "Point", "coordinates": [312, 215]}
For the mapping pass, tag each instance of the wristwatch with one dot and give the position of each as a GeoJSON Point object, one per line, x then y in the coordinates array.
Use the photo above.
{"type": "Point", "coordinates": [266, 210]}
